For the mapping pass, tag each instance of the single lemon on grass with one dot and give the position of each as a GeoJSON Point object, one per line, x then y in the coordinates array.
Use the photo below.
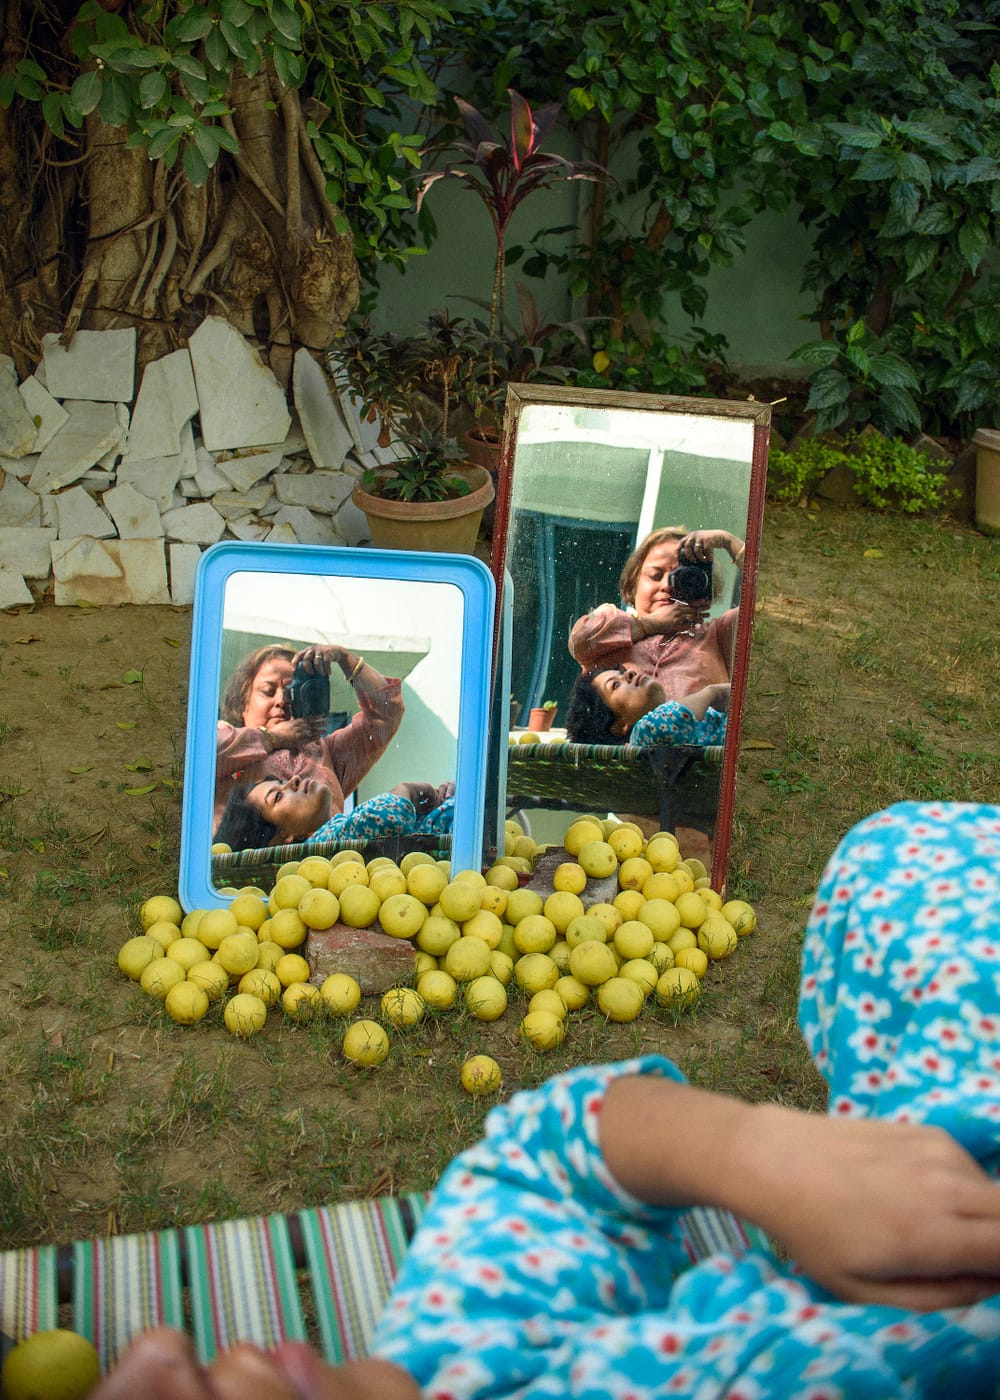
{"type": "Point", "coordinates": [269, 955]}
{"type": "Point", "coordinates": [188, 952]}
{"type": "Point", "coordinates": [467, 959]}
{"type": "Point", "coordinates": [592, 963]}
{"type": "Point", "coordinates": [741, 915]}
{"type": "Point", "coordinates": [643, 972]}
{"type": "Point", "coordinates": [683, 938]}
{"type": "Point", "coordinates": [692, 909]}
{"type": "Point", "coordinates": [503, 878]}
{"type": "Point", "coordinates": [580, 832]}
{"type": "Point", "coordinates": [586, 928]}
{"type": "Point", "coordinates": [562, 907]}
{"type": "Point", "coordinates": [534, 934]}
{"type": "Point", "coordinates": [52, 1365]}
{"type": "Point", "coordinates": [365, 1043]}
{"type": "Point", "coordinates": [694, 960]}
{"type": "Point", "coordinates": [485, 998]}
{"type": "Point", "coordinates": [493, 900]}
{"type": "Point", "coordinates": [244, 1014]}
{"type": "Point", "coordinates": [569, 876]}
{"type": "Point", "coordinates": [661, 955]}
{"type": "Point", "coordinates": [425, 881]}
{"type": "Point", "coordinates": [481, 1075]}
{"type": "Point", "coordinates": [238, 953]}
{"type": "Point", "coordinates": [211, 977]}
{"type": "Point", "coordinates": [598, 859]}
{"type": "Point", "coordinates": [717, 938]}
{"type": "Point", "coordinates": [186, 1003]}
{"type": "Point", "coordinates": [359, 906]}
{"type": "Point", "coordinates": [160, 907]}
{"type": "Point", "coordinates": [633, 873]}
{"type": "Point", "coordinates": [414, 858]}
{"type": "Point", "coordinates": [341, 993]}
{"type": "Point", "coordinates": [315, 869]}
{"type": "Point", "coordinates": [135, 954]}
{"type": "Point", "coordinates": [521, 903]}
{"type": "Point", "coordinates": [633, 939]}
{"type": "Point", "coordinates": [319, 908]}
{"type": "Point", "coordinates": [438, 989]}
{"type": "Point", "coordinates": [548, 999]}
{"type": "Point", "coordinates": [437, 934]}
{"type": "Point", "coordinates": [345, 875]}
{"type": "Point", "coordinates": [259, 982]}
{"type": "Point", "coordinates": [501, 966]}
{"type": "Point", "coordinates": [626, 842]}
{"type": "Point", "coordinates": [287, 928]}
{"type": "Point", "coordinates": [620, 998]}
{"type": "Point", "coordinates": [628, 903]}
{"type": "Point", "coordinates": [291, 967]}
{"type": "Point", "coordinates": [459, 900]}
{"type": "Point", "coordinates": [403, 1006]}
{"type": "Point", "coordinates": [662, 853]}
{"type": "Point", "coordinates": [662, 917]}
{"type": "Point", "coordinates": [678, 986]}
{"type": "Point", "coordinates": [574, 993]}
{"type": "Point", "coordinates": [301, 1000]}
{"type": "Point", "coordinates": [217, 924]}
{"type": "Point", "coordinates": [535, 971]}
{"type": "Point", "coordinates": [484, 925]}
{"type": "Point", "coordinates": [249, 910]}
{"type": "Point", "coordinates": [163, 932]}
{"type": "Point", "coordinates": [543, 1030]}
{"type": "Point", "coordinates": [401, 915]}
{"type": "Point", "coordinates": [159, 976]}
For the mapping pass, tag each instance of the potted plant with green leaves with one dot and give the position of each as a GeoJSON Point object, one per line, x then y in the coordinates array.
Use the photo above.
{"type": "Point", "coordinates": [542, 717]}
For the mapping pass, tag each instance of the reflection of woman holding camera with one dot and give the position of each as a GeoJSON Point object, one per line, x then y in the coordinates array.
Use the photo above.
{"type": "Point", "coordinates": [258, 738]}
{"type": "Point", "coordinates": [660, 634]}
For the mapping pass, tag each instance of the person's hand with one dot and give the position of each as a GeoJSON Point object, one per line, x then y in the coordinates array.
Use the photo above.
{"type": "Point", "coordinates": [295, 733]}
{"type": "Point", "coordinates": [317, 660]}
{"type": "Point", "coordinates": [672, 618]}
{"type": "Point", "coordinates": [161, 1365]}
{"type": "Point", "coordinates": [423, 796]}
{"type": "Point", "coordinates": [877, 1212]}
{"type": "Point", "coordinates": [718, 697]}
{"type": "Point", "coordinates": [700, 545]}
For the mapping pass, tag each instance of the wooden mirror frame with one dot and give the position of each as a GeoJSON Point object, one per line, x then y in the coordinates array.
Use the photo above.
{"type": "Point", "coordinates": [758, 415]}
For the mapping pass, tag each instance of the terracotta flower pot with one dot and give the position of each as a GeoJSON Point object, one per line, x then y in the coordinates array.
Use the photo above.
{"type": "Point", "coordinates": [541, 718]}
{"type": "Point", "coordinates": [450, 526]}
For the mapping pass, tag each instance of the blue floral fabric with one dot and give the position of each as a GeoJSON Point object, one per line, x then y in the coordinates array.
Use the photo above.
{"type": "Point", "coordinates": [387, 814]}
{"type": "Point", "coordinates": [673, 723]}
{"type": "Point", "coordinates": [534, 1274]}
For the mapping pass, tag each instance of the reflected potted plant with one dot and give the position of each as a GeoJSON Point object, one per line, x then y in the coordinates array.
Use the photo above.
{"type": "Point", "coordinates": [542, 717]}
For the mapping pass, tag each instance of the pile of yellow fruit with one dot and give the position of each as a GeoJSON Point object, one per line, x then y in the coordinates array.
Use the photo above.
{"type": "Point", "coordinates": [473, 934]}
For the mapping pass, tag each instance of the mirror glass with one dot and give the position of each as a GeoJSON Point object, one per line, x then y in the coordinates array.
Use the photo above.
{"type": "Point", "coordinates": [589, 477]}
{"type": "Point", "coordinates": [338, 698]}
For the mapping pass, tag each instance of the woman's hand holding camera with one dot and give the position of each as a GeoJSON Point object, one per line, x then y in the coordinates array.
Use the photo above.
{"type": "Point", "coordinates": [699, 547]}
{"type": "Point", "coordinates": [294, 733]}
{"type": "Point", "coordinates": [318, 660]}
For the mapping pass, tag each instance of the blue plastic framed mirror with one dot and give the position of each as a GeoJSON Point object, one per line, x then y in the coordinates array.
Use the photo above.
{"type": "Point", "coordinates": [336, 695]}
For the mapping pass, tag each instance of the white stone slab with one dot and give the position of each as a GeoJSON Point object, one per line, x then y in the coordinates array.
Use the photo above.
{"type": "Point", "coordinates": [242, 404]}
{"type": "Point", "coordinates": [18, 429]}
{"type": "Point", "coordinates": [21, 467]}
{"type": "Point", "coordinates": [200, 524]}
{"type": "Point", "coordinates": [8, 367]}
{"type": "Point", "coordinates": [281, 534]}
{"type": "Point", "coordinates": [326, 433]}
{"type": "Point", "coordinates": [14, 592]}
{"type": "Point", "coordinates": [207, 476]}
{"type": "Point", "coordinates": [134, 514]}
{"type": "Point", "coordinates": [364, 433]}
{"type": "Point", "coordinates": [166, 402]}
{"type": "Point", "coordinates": [92, 429]}
{"type": "Point", "coordinates": [183, 564]}
{"type": "Point", "coordinates": [48, 414]}
{"type": "Point", "coordinates": [155, 479]}
{"type": "Point", "coordinates": [18, 505]}
{"type": "Point", "coordinates": [26, 550]}
{"type": "Point", "coordinates": [247, 528]}
{"type": "Point", "coordinates": [96, 365]}
{"type": "Point", "coordinates": [245, 471]}
{"type": "Point", "coordinates": [309, 528]}
{"type": "Point", "coordinates": [236, 503]}
{"type": "Point", "coordinates": [79, 514]}
{"type": "Point", "coordinates": [352, 524]}
{"type": "Point", "coordinates": [322, 491]}
{"type": "Point", "coordinates": [109, 572]}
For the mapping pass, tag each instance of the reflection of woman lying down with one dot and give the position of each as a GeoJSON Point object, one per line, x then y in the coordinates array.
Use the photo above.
{"type": "Point", "coordinates": [620, 705]}
{"type": "Point", "coordinates": [654, 633]}
{"type": "Point", "coordinates": [256, 738]}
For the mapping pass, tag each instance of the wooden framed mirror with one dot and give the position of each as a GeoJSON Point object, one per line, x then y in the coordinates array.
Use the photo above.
{"type": "Point", "coordinates": [400, 645]}
{"type": "Point", "coordinates": [588, 477]}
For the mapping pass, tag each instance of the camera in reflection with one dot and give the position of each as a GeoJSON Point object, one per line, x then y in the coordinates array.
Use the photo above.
{"type": "Point", "coordinates": [691, 583]}
{"type": "Point", "coordinates": [308, 694]}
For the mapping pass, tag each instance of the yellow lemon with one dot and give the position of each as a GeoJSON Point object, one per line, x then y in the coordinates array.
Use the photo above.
{"type": "Point", "coordinates": [238, 953]}
{"type": "Point", "coordinates": [159, 976]}
{"type": "Point", "coordinates": [717, 938]}
{"type": "Point", "coordinates": [438, 989]}
{"type": "Point", "coordinates": [661, 955]}
{"type": "Point", "coordinates": [424, 962]}
{"type": "Point", "coordinates": [365, 1043]}
{"type": "Point", "coordinates": [684, 878]}
{"type": "Point", "coordinates": [301, 1000]}
{"type": "Point", "coordinates": [678, 986]}
{"type": "Point", "coordinates": [503, 878]}
{"type": "Point", "coordinates": [403, 1006]}
{"type": "Point", "coordinates": [244, 1014]}
{"type": "Point", "coordinates": [161, 908]}
{"type": "Point", "coordinates": [535, 971]}
{"type": "Point", "coordinates": [626, 842]}
{"type": "Point", "coordinates": [290, 867]}
{"type": "Point", "coordinates": [259, 982]}
{"type": "Point", "coordinates": [711, 897]}
{"type": "Point", "coordinates": [471, 877]}
{"type": "Point", "coordinates": [340, 993]}
{"type": "Point", "coordinates": [190, 922]}
{"type": "Point", "coordinates": [521, 903]}
{"type": "Point", "coordinates": [580, 832]}
{"type": "Point", "coordinates": [501, 967]}
{"type": "Point", "coordinates": [534, 934]}
{"type": "Point", "coordinates": [562, 907]}
{"type": "Point", "coordinates": [286, 928]}
{"type": "Point", "coordinates": [633, 939]}
{"type": "Point", "coordinates": [683, 938]}
{"type": "Point", "coordinates": [345, 875]}
{"type": "Point", "coordinates": [387, 882]}
{"type": "Point", "coordinates": [574, 993]}
{"type": "Point", "coordinates": [741, 915]}
{"type": "Point", "coordinates": [661, 885]}
{"type": "Point", "coordinates": [437, 934]}
{"type": "Point", "coordinates": [459, 900]}
{"type": "Point", "coordinates": [291, 967]}
{"type": "Point", "coordinates": [467, 959]}
{"type": "Point", "coordinates": [662, 853]}
{"type": "Point", "coordinates": [543, 1030]}
{"type": "Point", "coordinates": [425, 881]}
{"type": "Point", "coordinates": [52, 1365]}
{"type": "Point", "coordinates": [315, 869]}
{"type": "Point", "coordinates": [187, 951]}
{"type": "Point", "coordinates": [586, 928]}
{"type": "Point", "coordinates": [342, 858]}
{"type": "Point", "coordinates": [569, 876]}
{"type": "Point", "coordinates": [211, 977]}
{"type": "Point", "coordinates": [414, 858]}
{"type": "Point", "coordinates": [598, 859]}
{"type": "Point", "coordinates": [485, 998]}
{"type": "Point", "coordinates": [163, 932]}
{"type": "Point", "coordinates": [643, 972]}
{"type": "Point", "coordinates": [249, 910]}
{"type": "Point", "coordinates": [633, 873]}
{"type": "Point", "coordinates": [559, 953]}
{"type": "Point", "coordinates": [609, 916]}
{"type": "Point", "coordinates": [186, 1003]}
{"type": "Point", "coordinates": [269, 955]}
{"type": "Point", "coordinates": [493, 900]}
{"type": "Point", "coordinates": [692, 909]}
{"type": "Point", "coordinates": [697, 868]}
{"type": "Point", "coordinates": [662, 917]}
{"type": "Point", "coordinates": [217, 924]}
{"type": "Point", "coordinates": [693, 959]}
{"type": "Point", "coordinates": [507, 944]}
{"type": "Point", "coordinates": [592, 963]}
{"type": "Point", "coordinates": [620, 998]}
{"type": "Point", "coordinates": [486, 926]}
{"type": "Point", "coordinates": [628, 903]}
{"type": "Point", "coordinates": [548, 999]}
{"type": "Point", "coordinates": [481, 1075]}
{"type": "Point", "coordinates": [138, 952]}
{"type": "Point", "coordinates": [401, 915]}
{"type": "Point", "coordinates": [289, 890]}
{"type": "Point", "coordinates": [529, 737]}
{"type": "Point", "coordinates": [359, 906]}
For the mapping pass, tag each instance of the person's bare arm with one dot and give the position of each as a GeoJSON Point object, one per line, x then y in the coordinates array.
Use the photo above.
{"type": "Point", "coordinates": [716, 696]}
{"type": "Point", "coordinates": [876, 1212]}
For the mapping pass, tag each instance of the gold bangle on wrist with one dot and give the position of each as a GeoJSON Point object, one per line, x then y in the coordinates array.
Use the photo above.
{"type": "Point", "coordinates": [738, 556]}
{"type": "Point", "coordinates": [268, 738]}
{"type": "Point", "coordinates": [357, 668]}
{"type": "Point", "coordinates": [642, 627]}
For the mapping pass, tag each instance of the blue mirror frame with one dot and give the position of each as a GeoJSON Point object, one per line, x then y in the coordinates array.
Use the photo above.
{"type": "Point", "coordinates": [219, 565]}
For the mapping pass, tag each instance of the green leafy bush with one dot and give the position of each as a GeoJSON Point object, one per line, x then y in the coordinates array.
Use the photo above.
{"type": "Point", "coordinates": [888, 474]}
